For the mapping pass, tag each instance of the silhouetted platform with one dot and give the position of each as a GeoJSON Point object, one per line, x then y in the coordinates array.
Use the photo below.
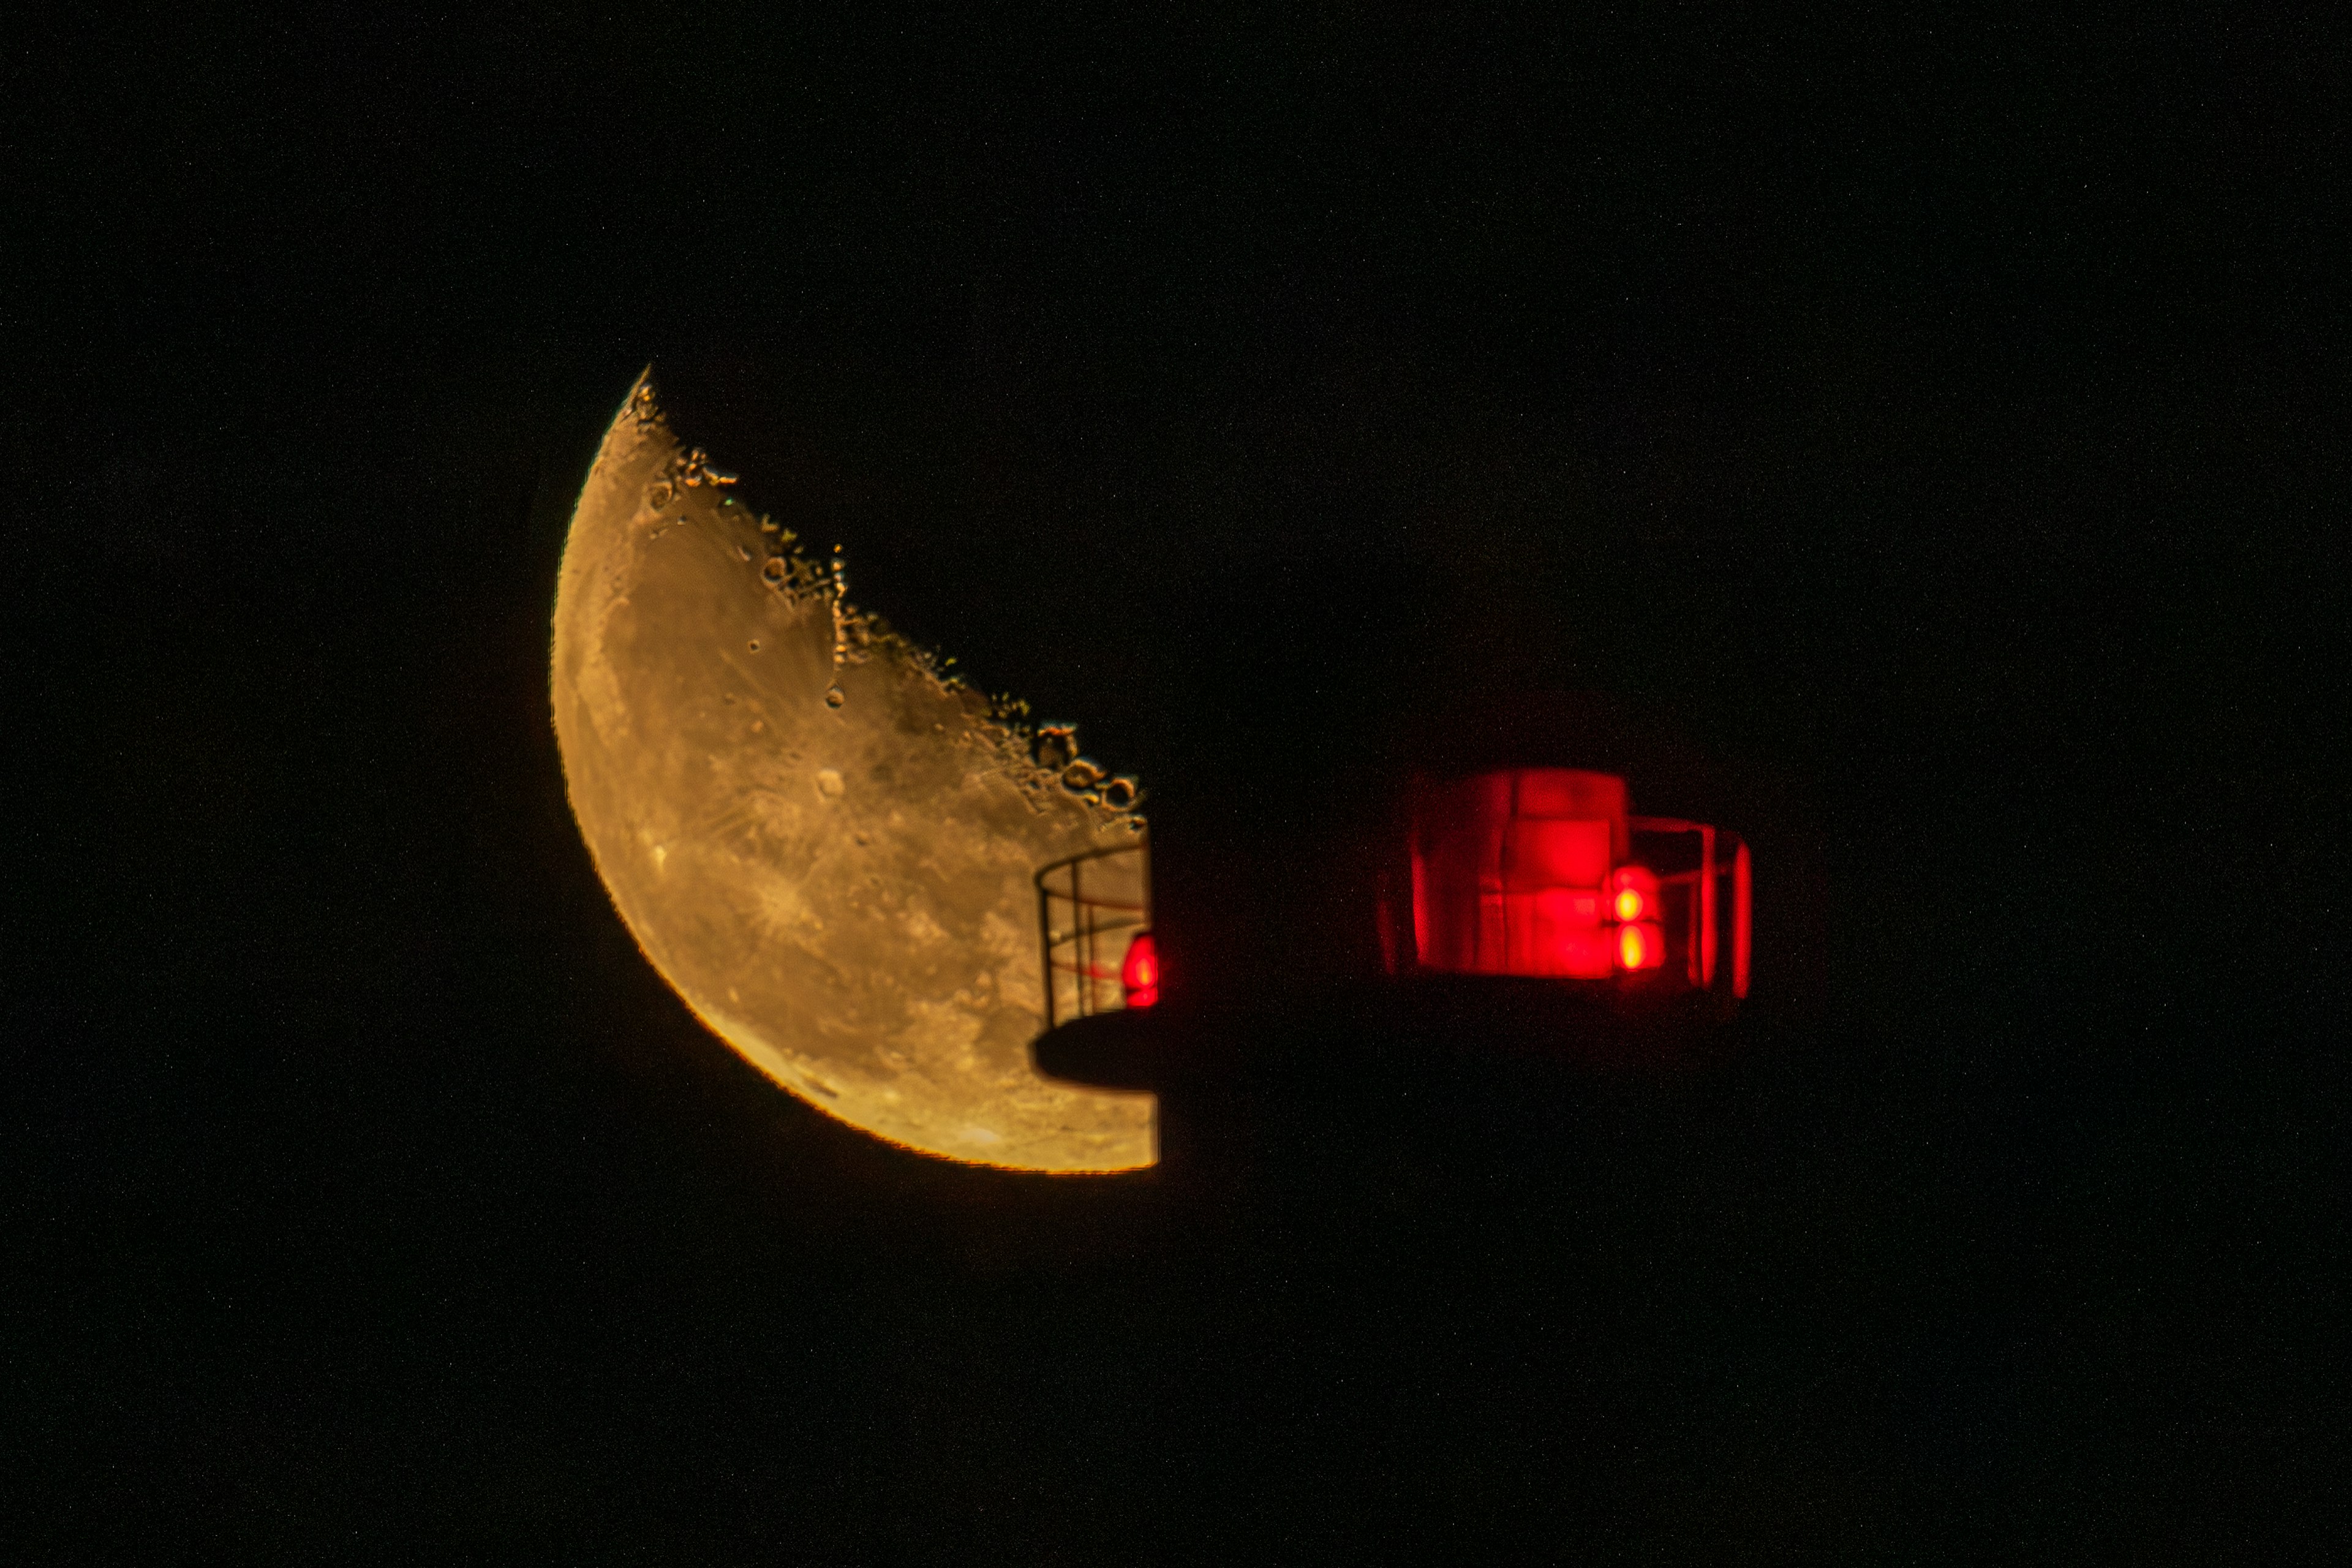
{"type": "Point", "coordinates": [1455, 1081]}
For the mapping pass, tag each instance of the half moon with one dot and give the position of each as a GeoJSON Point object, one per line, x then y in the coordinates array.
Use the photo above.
{"type": "Point", "coordinates": [826, 847]}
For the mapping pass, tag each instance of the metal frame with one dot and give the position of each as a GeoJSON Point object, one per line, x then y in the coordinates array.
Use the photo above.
{"type": "Point", "coordinates": [1092, 920]}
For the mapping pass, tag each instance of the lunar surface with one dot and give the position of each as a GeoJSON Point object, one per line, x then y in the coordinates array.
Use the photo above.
{"type": "Point", "coordinates": [826, 845]}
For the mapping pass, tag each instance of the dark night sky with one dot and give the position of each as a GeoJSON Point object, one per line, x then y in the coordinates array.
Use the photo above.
{"type": "Point", "coordinates": [1924, 423]}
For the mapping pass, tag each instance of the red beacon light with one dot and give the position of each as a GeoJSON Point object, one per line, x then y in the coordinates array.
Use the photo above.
{"type": "Point", "coordinates": [1634, 893]}
{"type": "Point", "coordinates": [1138, 974]}
{"type": "Point", "coordinates": [1543, 873]}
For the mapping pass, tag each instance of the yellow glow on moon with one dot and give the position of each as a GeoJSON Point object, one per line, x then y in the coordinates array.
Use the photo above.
{"type": "Point", "coordinates": [824, 845]}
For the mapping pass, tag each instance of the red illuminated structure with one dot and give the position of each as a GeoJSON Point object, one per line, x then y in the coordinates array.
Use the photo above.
{"type": "Point", "coordinates": [1531, 873]}
{"type": "Point", "coordinates": [1537, 939]}
{"type": "Point", "coordinates": [1094, 914]}
{"type": "Point", "coordinates": [1542, 872]}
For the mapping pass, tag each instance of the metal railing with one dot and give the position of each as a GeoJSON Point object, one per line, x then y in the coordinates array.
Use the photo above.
{"type": "Point", "coordinates": [1089, 908]}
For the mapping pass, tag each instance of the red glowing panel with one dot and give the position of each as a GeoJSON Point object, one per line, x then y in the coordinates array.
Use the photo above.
{"type": "Point", "coordinates": [1138, 976]}
{"type": "Point", "coordinates": [1577, 952]}
{"type": "Point", "coordinates": [1569, 905]}
{"type": "Point", "coordinates": [1510, 872]}
{"type": "Point", "coordinates": [1640, 945]}
{"type": "Point", "coordinates": [1569, 853]}
{"type": "Point", "coordinates": [1707, 939]}
{"type": "Point", "coordinates": [1570, 793]}
{"type": "Point", "coordinates": [1557, 932]}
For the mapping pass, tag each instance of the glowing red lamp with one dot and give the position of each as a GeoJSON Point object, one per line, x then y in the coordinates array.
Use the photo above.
{"type": "Point", "coordinates": [1139, 976]}
{"type": "Point", "coordinates": [1543, 873]}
